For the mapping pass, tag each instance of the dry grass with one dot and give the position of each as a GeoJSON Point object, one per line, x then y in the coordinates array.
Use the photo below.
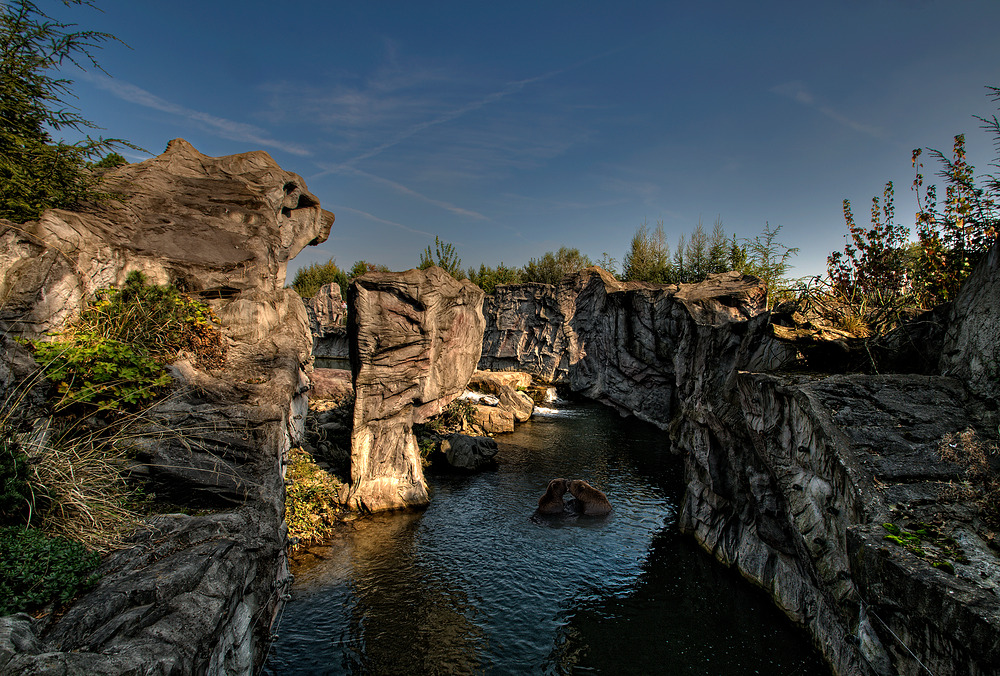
{"type": "Point", "coordinates": [981, 483]}
{"type": "Point", "coordinates": [77, 486]}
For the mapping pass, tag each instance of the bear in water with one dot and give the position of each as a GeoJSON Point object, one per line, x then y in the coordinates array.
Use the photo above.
{"type": "Point", "coordinates": [552, 501]}
{"type": "Point", "coordinates": [588, 500]}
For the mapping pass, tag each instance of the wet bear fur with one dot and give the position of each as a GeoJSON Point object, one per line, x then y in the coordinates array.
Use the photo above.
{"type": "Point", "coordinates": [588, 500]}
{"type": "Point", "coordinates": [552, 501]}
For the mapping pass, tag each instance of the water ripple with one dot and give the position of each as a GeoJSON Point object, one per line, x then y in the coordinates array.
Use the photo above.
{"type": "Point", "coordinates": [475, 585]}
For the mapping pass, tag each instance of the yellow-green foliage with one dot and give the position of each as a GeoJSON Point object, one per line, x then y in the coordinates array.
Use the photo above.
{"type": "Point", "coordinates": [113, 357]}
{"type": "Point", "coordinates": [311, 498]}
{"type": "Point", "coordinates": [309, 279]}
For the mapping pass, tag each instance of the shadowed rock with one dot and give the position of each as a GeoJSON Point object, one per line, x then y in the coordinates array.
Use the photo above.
{"type": "Point", "coordinates": [327, 320]}
{"type": "Point", "coordinates": [415, 339]}
{"type": "Point", "coordinates": [192, 594]}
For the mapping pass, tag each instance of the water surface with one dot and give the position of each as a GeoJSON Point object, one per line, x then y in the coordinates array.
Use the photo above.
{"type": "Point", "coordinates": [474, 585]}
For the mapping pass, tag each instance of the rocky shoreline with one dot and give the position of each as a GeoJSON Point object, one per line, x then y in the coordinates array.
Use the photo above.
{"type": "Point", "coordinates": [790, 477]}
{"type": "Point", "coordinates": [829, 491]}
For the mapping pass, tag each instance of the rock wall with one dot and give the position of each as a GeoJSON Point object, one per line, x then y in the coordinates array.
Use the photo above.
{"type": "Point", "coordinates": [790, 477]}
{"type": "Point", "coordinates": [415, 339]}
{"type": "Point", "coordinates": [327, 320]}
{"type": "Point", "coordinates": [619, 343]}
{"type": "Point", "coordinates": [971, 349]}
{"type": "Point", "coordinates": [192, 594]}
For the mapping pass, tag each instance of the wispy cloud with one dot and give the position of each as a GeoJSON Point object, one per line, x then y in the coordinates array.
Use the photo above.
{"type": "Point", "coordinates": [560, 205]}
{"type": "Point", "coordinates": [228, 129]}
{"type": "Point", "coordinates": [372, 217]}
{"type": "Point", "coordinates": [400, 188]}
{"type": "Point", "coordinates": [796, 91]}
{"type": "Point", "coordinates": [477, 104]}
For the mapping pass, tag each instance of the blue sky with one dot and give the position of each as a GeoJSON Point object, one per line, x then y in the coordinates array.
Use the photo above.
{"type": "Point", "coordinates": [513, 128]}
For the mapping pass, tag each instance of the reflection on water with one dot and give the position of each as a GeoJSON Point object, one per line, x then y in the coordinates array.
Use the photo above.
{"type": "Point", "coordinates": [474, 585]}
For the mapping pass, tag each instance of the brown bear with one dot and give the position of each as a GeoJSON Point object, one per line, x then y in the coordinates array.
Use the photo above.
{"type": "Point", "coordinates": [589, 500]}
{"type": "Point", "coordinates": [552, 501]}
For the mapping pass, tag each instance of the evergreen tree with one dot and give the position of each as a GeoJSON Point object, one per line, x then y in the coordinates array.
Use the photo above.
{"type": "Point", "coordinates": [35, 172]}
{"type": "Point", "coordinates": [445, 256]}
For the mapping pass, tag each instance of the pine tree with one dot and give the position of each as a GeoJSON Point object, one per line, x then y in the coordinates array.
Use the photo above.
{"type": "Point", "coordinates": [37, 173]}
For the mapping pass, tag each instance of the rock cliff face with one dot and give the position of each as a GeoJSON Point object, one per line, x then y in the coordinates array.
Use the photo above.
{"type": "Point", "coordinates": [415, 339]}
{"type": "Point", "coordinates": [193, 594]}
{"type": "Point", "coordinates": [620, 343]}
{"type": "Point", "coordinates": [971, 349]}
{"type": "Point", "coordinates": [790, 478]}
{"type": "Point", "coordinates": [327, 320]}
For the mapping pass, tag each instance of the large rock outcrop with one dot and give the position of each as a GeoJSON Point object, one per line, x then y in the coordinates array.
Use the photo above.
{"type": "Point", "coordinates": [192, 594]}
{"type": "Point", "coordinates": [415, 339]}
{"type": "Point", "coordinates": [971, 349]}
{"type": "Point", "coordinates": [328, 321]}
{"type": "Point", "coordinates": [621, 343]}
{"type": "Point", "coordinates": [791, 477]}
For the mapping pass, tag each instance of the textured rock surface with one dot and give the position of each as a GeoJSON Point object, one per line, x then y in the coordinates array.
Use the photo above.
{"type": "Point", "coordinates": [971, 348]}
{"type": "Point", "coordinates": [790, 477]}
{"type": "Point", "coordinates": [492, 382]}
{"type": "Point", "coordinates": [830, 459]}
{"type": "Point", "coordinates": [334, 384]}
{"type": "Point", "coordinates": [210, 225]}
{"type": "Point", "coordinates": [327, 320]}
{"type": "Point", "coordinates": [469, 453]}
{"type": "Point", "coordinates": [195, 595]}
{"type": "Point", "coordinates": [507, 387]}
{"type": "Point", "coordinates": [416, 337]}
{"type": "Point", "coordinates": [619, 343]}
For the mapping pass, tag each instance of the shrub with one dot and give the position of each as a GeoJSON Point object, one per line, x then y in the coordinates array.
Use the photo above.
{"type": "Point", "coordinates": [487, 278]}
{"type": "Point", "coordinates": [311, 498]}
{"type": "Point", "coordinates": [454, 416]}
{"type": "Point", "coordinates": [982, 484]}
{"type": "Point", "coordinates": [552, 267]}
{"type": "Point", "coordinates": [35, 173]}
{"type": "Point", "coordinates": [113, 358]}
{"type": "Point", "coordinates": [445, 256]}
{"type": "Point", "coordinates": [309, 279]}
{"type": "Point", "coordinates": [36, 569]}
{"type": "Point", "coordinates": [110, 161]}
{"type": "Point", "coordinates": [873, 261]}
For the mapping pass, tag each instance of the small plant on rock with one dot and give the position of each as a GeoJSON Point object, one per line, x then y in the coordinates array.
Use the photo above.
{"type": "Point", "coordinates": [36, 569]}
{"type": "Point", "coordinates": [981, 483]}
{"type": "Point", "coordinates": [113, 357]}
{"type": "Point", "coordinates": [312, 499]}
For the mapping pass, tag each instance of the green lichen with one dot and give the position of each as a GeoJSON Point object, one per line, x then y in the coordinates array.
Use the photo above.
{"type": "Point", "coordinates": [927, 541]}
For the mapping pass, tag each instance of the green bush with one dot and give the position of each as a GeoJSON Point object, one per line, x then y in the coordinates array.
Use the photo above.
{"type": "Point", "coordinates": [445, 256]}
{"type": "Point", "coordinates": [487, 278]}
{"type": "Point", "coordinates": [94, 370]}
{"type": "Point", "coordinates": [35, 172]}
{"type": "Point", "coordinates": [36, 569]}
{"type": "Point", "coordinates": [311, 498]}
{"type": "Point", "coordinates": [15, 493]}
{"type": "Point", "coordinates": [110, 161]}
{"type": "Point", "coordinates": [113, 358]}
{"type": "Point", "coordinates": [309, 279]}
{"type": "Point", "coordinates": [552, 267]}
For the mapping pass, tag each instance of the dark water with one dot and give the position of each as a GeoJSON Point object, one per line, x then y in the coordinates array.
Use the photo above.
{"type": "Point", "coordinates": [474, 586]}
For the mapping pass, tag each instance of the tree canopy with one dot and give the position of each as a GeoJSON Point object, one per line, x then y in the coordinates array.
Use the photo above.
{"type": "Point", "coordinates": [36, 172]}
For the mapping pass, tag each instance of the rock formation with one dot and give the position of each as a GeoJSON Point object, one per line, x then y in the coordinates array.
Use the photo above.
{"type": "Point", "coordinates": [790, 477]}
{"type": "Point", "coordinates": [469, 453]}
{"type": "Point", "coordinates": [415, 339]}
{"type": "Point", "coordinates": [192, 594]}
{"type": "Point", "coordinates": [327, 320]}
{"type": "Point", "coordinates": [616, 342]}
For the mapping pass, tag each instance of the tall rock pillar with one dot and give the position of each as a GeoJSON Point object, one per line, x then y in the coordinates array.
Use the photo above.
{"type": "Point", "coordinates": [415, 339]}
